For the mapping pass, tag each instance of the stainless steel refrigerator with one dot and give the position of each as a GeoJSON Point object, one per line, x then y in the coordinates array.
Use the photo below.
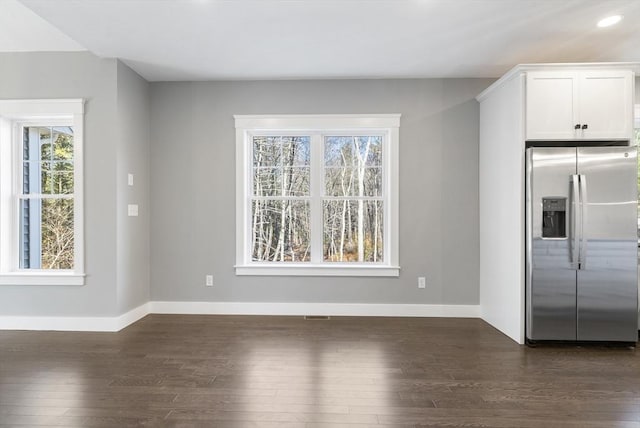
{"type": "Point", "coordinates": [581, 214]}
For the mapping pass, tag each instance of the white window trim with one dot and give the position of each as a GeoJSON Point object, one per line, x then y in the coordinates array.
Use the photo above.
{"type": "Point", "coordinates": [389, 124]}
{"type": "Point", "coordinates": [13, 112]}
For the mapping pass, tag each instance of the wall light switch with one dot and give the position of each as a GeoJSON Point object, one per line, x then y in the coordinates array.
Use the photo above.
{"type": "Point", "coordinates": [208, 280]}
{"type": "Point", "coordinates": [422, 282]}
{"type": "Point", "coordinates": [132, 210]}
{"type": "Point", "coordinates": [130, 179]}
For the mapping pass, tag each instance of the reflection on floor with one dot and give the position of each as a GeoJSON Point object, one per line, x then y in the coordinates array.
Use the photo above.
{"type": "Point", "coordinates": [233, 371]}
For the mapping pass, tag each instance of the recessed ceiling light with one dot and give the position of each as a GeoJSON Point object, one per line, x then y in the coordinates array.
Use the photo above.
{"type": "Point", "coordinates": [609, 21]}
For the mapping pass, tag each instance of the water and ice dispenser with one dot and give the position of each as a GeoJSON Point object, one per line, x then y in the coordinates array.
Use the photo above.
{"type": "Point", "coordinates": [554, 217]}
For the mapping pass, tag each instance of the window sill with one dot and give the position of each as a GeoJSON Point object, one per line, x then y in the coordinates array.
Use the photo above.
{"type": "Point", "coordinates": [41, 278]}
{"type": "Point", "coordinates": [280, 269]}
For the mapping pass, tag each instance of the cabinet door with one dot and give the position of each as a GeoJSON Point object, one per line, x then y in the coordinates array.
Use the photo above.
{"type": "Point", "coordinates": [606, 104]}
{"type": "Point", "coordinates": [551, 106]}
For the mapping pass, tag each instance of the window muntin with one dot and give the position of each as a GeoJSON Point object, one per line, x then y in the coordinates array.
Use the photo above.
{"type": "Point", "coordinates": [307, 172]}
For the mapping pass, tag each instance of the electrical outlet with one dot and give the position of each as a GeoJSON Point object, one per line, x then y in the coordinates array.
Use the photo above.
{"type": "Point", "coordinates": [208, 280]}
{"type": "Point", "coordinates": [422, 282]}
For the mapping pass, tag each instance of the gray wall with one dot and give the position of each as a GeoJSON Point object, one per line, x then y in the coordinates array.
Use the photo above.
{"type": "Point", "coordinates": [116, 143]}
{"type": "Point", "coordinates": [192, 198]}
{"type": "Point", "coordinates": [193, 190]}
{"type": "Point", "coordinates": [133, 257]}
{"type": "Point", "coordinates": [74, 75]}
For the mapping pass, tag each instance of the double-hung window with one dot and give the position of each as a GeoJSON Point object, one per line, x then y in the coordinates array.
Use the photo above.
{"type": "Point", "coordinates": [317, 195]}
{"type": "Point", "coordinates": [41, 192]}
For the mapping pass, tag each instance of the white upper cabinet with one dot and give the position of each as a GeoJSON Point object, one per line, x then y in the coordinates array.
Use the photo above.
{"type": "Point", "coordinates": [606, 104]}
{"type": "Point", "coordinates": [551, 105]}
{"type": "Point", "coordinates": [579, 105]}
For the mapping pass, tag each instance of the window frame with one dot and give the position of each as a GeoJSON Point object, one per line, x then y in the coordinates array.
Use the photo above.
{"type": "Point", "coordinates": [15, 114]}
{"type": "Point", "coordinates": [317, 127]}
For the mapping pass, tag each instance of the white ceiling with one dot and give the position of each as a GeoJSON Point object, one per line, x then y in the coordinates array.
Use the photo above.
{"type": "Point", "coordinates": [21, 30]}
{"type": "Point", "coordinates": [280, 39]}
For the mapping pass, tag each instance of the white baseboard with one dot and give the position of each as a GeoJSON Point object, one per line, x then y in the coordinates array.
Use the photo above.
{"type": "Point", "coordinates": [113, 324]}
{"type": "Point", "coordinates": [132, 316]}
{"type": "Point", "coordinates": [102, 324]}
{"type": "Point", "coordinates": [335, 309]}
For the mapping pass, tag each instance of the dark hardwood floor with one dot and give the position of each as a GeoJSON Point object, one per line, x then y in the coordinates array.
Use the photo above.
{"type": "Point", "coordinates": [233, 371]}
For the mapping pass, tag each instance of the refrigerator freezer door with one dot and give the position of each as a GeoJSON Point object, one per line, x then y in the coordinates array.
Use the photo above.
{"type": "Point", "coordinates": [551, 276]}
{"type": "Point", "coordinates": [607, 281]}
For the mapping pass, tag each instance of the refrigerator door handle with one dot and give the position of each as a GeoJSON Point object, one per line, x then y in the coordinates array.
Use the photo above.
{"type": "Point", "coordinates": [583, 221]}
{"type": "Point", "coordinates": [574, 246]}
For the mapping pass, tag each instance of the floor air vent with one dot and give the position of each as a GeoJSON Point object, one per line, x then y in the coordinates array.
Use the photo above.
{"type": "Point", "coordinates": [316, 317]}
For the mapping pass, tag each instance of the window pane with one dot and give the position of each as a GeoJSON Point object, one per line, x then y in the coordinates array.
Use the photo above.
{"type": "Point", "coordinates": [353, 166]}
{"type": "Point", "coordinates": [281, 166]}
{"type": "Point", "coordinates": [45, 151]}
{"type": "Point", "coordinates": [29, 214]}
{"type": "Point", "coordinates": [355, 152]}
{"type": "Point", "coordinates": [46, 234]}
{"type": "Point", "coordinates": [338, 151]}
{"type": "Point", "coordinates": [374, 145]}
{"type": "Point", "coordinates": [281, 151]}
{"type": "Point", "coordinates": [46, 143]}
{"type": "Point", "coordinates": [62, 143]}
{"type": "Point", "coordinates": [36, 143]}
{"type": "Point", "coordinates": [296, 181]}
{"type": "Point", "coordinates": [267, 151]}
{"type": "Point", "coordinates": [353, 231]}
{"type": "Point", "coordinates": [340, 181]}
{"type": "Point", "coordinates": [46, 182]}
{"type": "Point", "coordinates": [56, 177]}
{"type": "Point", "coordinates": [43, 184]}
{"type": "Point", "coordinates": [280, 231]}
{"type": "Point", "coordinates": [267, 181]}
{"type": "Point", "coordinates": [353, 182]}
{"type": "Point", "coordinates": [293, 181]}
{"type": "Point", "coordinates": [62, 183]}
{"type": "Point", "coordinates": [296, 151]}
{"type": "Point", "coordinates": [373, 181]}
{"type": "Point", "coordinates": [26, 184]}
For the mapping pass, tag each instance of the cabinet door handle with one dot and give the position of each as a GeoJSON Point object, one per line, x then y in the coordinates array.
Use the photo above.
{"type": "Point", "coordinates": [584, 126]}
{"type": "Point", "coordinates": [577, 126]}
